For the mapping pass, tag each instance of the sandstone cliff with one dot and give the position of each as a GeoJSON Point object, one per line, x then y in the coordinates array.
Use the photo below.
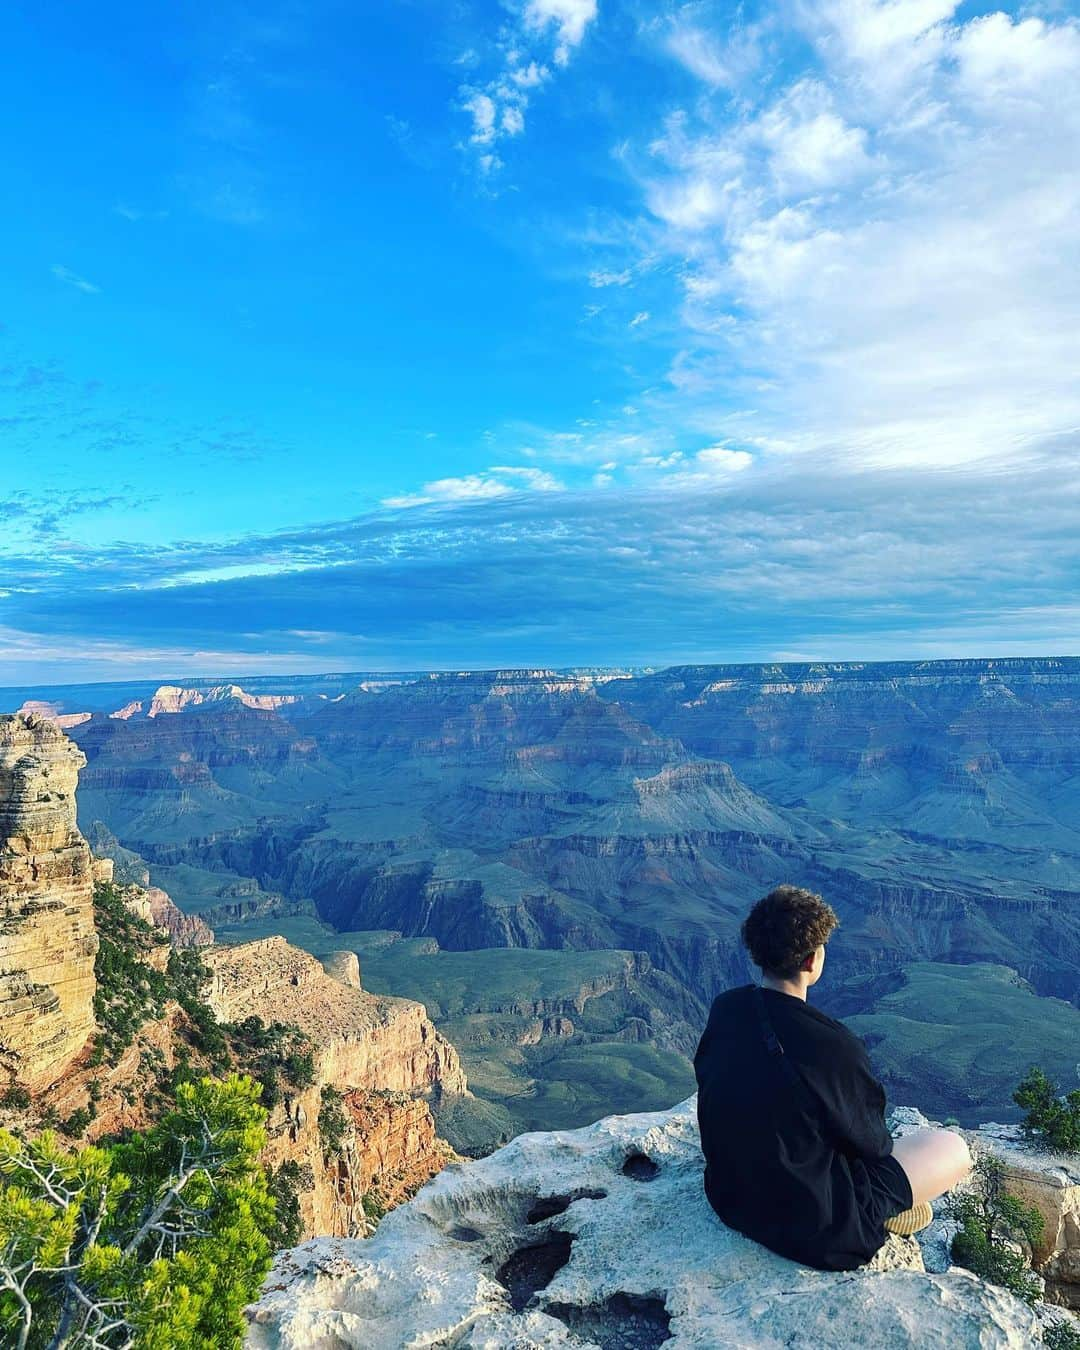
{"type": "Point", "coordinates": [47, 937]}
{"type": "Point", "coordinates": [381, 1056]}
{"type": "Point", "coordinates": [156, 908]}
{"type": "Point", "coordinates": [1037, 1176]}
{"type": "Point", "coordinates": [603, 1237]}
{"type": "Point", "coordinates": [360, 1040]}
{"type": "Point", "coordinates": [378, 1058]}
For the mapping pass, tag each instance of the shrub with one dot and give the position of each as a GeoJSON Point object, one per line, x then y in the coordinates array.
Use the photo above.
{"type": "Point", "coordinates": [129, 990]}
{"type": "Point", "coordinates": [158, 1242]}
{"type": "Point", "coordinates": [15, 1098]}
{"type": "Point", "coordinates": [1052, 1118]}
{"type": "Point", "coordinates": [284, 1186]}
{"type": "Point", "coordinates": [1061, 1335]}
{"type": "Point", "coordinates": [332, 1121]}
{"type": "Point", "coordinates": [991, 1221]}
{"type": "Point", "coordinates": [76, 1123]}
{"type": "Point", "coordinates": [299, 1067]}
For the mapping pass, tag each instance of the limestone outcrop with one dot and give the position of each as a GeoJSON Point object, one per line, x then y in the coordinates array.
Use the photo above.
{"type": "Point", "coordinates": [47, 936]}
{"type": "Point", "coordinates": [184, 930]}
{"type": "Point", "coordinates": [360, 1039]}
{"type": "Point", "coordinates": [380, 1056]}
{"type": "Point", "coordinates": [155, 907]}
{"type": "Point", "coordinates": [603, 1237]}
{"type": "Point", "coordinates": [171, 698]}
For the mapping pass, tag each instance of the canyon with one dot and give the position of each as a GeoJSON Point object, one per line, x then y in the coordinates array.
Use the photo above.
{"type": "Point", "coordinates": [380, 1059]}
{"type": "Point", "coordinates": [457, 831]}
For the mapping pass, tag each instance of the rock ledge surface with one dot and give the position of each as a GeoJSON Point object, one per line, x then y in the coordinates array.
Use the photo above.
{"type": "Point", "coordinates": [602, 1237]}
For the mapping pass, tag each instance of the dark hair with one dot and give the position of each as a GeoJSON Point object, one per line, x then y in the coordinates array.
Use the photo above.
{"type": "Point", "coordinates": [785, 927]}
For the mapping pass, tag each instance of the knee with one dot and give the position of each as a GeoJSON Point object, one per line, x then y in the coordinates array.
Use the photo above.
{"type": "Point", "coordinates": [959, 1154]}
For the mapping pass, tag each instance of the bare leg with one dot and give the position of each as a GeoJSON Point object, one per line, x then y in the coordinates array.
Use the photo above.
{"type": "Point", "coordinates": [934, 1160]}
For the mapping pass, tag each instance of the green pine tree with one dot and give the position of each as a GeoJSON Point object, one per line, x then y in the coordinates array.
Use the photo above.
{"type": "Point", "coordinates": [991, 1221]}
{"type": "Point", "coordinates": [157, 1243]}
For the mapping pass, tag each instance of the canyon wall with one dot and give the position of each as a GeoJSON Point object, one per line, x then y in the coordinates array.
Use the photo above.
{"type": "Point", "coordinates": [381, 1057]}
{"type": "Point", "coordinates": [47, 937]}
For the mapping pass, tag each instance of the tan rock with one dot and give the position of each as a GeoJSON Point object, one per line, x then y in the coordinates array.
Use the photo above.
{"type": "Point", "coordinates": [361, 1040]}
{"type": "Point", "coordinates": [184, 930]}
{"type": "Point", "coordinates": [1051, 1182]}
{"type": "Point", "coordinates": [343, 966]}
{"type": "Point", "coordinates": [47, 935]}
{"type": "Point", "coordinates": [382, 1055]}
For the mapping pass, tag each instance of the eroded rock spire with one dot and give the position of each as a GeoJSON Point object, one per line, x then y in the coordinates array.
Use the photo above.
{"type": "Point", "coordinates": [47, 936]}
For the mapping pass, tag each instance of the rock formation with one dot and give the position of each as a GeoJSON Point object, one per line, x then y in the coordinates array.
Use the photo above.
{"type": "Point", "coordinates": [360, 1040]}
{"type": "Point", "coordinates": [602, 1237]}
{"type": "Point", "coordinates": [47, 937]}
{"type": "Point", "coordinates": [171, 698]}
{"type": "Point", "coordinates": [184, 930]}
{"type": "Point", "coordinates": [381, 1055]}
{"type": "Point", "coordinates": [1037, 1176]}
{"type": "Point", "coordinates": [932, 803]}
{"type": "Point", "coordinates": [156, 908]}
{"type": "Point", "coordinates": [50, 712]}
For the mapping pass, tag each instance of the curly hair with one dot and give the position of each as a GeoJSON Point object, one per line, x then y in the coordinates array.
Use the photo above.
{"type": "Point", "coordinates": [785, 927]}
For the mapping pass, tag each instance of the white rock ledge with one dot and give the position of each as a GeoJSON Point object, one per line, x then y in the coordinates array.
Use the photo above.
{"type": "Point", "coordinates": [645, 1263]}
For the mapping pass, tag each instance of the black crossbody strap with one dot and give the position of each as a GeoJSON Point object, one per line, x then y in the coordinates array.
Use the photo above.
{"type": "Point", "coordinates": [772, 1044]}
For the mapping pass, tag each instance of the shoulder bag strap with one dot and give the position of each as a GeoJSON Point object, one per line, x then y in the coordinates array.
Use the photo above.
{"type": "Point", "coordinates": [772, 1044]}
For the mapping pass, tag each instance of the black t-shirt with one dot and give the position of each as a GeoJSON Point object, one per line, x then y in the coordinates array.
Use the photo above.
{"type": "Point", "coordinates": [792, 1167]}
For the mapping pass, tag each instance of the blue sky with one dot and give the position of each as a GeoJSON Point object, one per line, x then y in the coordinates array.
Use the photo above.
{"type": "Point", "coordinates": [544, 332]}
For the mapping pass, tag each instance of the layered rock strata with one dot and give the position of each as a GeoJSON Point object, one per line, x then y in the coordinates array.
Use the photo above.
{"type": "Point", "coordinates": [603, 1237]}
{"type": "Point", "coordinates": [155, 907]}
{"type": "Point", "coordinates": [47, 936]}
{"type": "Point", "coordinates": [382, 1056]}
{"type": "Point", "coordinates": [360, 1039]}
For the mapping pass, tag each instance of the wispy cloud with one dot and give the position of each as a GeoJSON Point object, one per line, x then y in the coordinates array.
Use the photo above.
{"type": "Point", "coordinates": [540, 39]}
{"type": "Point", "coordinates": [728, 563]}
{"type": "Point", "coordinates": [876, 235]}
{"type": "Point", "coordinates": [501, 481]}
{"type": "Point", "coordinates": [70, 278]}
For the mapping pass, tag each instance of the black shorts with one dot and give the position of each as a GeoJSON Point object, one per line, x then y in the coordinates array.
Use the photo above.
{"type": "Point", "coordinates": [890, 1186]}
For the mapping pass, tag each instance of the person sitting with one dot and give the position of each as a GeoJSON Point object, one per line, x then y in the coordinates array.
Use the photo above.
{"type": "Point", "coordinates": [792, 1119]}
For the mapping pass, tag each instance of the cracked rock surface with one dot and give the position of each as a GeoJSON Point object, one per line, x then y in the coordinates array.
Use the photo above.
{"type": "Point", "coordinates": [554, 1242]}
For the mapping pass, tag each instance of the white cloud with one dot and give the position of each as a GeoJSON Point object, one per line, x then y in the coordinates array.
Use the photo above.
{"type": "Point", "coordinates": [512, 121]}
{"type": "Point", "coordinates": [530, 76]}
{"type": "Point", "coordinates": [546, 30]}
{"type": "Point", "coordinates": [719, 459]}
{"type": "Point", "coordinates": [500, 481]}
{"type": "Point", "coordinates": [599, 277]}
{"type": "Point", "coordinates": [641, 317]}
{"type": "Point", "coordinates": [70, 278]}
{"type": "Point", "coordinates": [482, 108]}
{"type": "Point", "coordinates": [722, 60]}
{"type": "Point", "coordinates": [570, 18]}
{"type": "Point", "coordinates": [878, 257]}
{"type": "Point", "coordinates": [808, 144]}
